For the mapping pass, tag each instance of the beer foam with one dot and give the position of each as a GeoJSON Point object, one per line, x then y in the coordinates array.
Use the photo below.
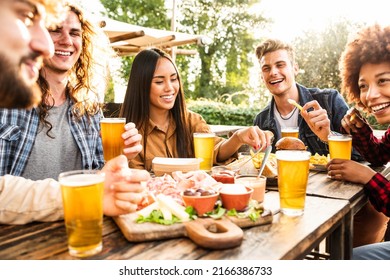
{"type": "Point", "coordinates": [339, 138]}
{"type": "Point", "coordinates": [290, 155]}
{"type": "Point", "coordinates": [204, 135]}
{"type": "Point", "coordinates": [113, 120]}
{"type": "Point", "coordinates": [80, 180]}
{"type": "Point", "coordinates": [290, 129]}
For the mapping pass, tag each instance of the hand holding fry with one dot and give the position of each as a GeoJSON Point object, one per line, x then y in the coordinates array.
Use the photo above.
{"type": "Point", "coordinates": [317, 119]}
{"type": "Point", "coordinates": [352, 121]}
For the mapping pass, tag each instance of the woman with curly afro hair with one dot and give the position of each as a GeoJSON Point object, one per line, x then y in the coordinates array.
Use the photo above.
{"type": "Point", "coordinates": [365, 74]}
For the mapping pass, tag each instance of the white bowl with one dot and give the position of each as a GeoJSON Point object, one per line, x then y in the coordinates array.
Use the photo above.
{"type": "Point", "coordinates": [163, 166]}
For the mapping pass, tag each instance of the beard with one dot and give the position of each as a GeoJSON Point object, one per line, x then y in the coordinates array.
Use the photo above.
{"type": "Point", "coordinates": [15, 93]}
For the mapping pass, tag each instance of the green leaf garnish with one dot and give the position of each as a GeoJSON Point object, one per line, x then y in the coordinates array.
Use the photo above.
{"type": "Point", "coordinates": [157, 217]}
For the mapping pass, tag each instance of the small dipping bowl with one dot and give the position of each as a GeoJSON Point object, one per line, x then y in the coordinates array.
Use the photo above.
{"type": "Point", "coordinates": [235, 196]}
{"type": "Point", "coordinates": [223, 174]}
{"type": "Point", "coordinates": [201, 203]}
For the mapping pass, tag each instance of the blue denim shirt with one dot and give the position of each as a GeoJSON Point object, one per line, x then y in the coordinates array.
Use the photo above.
{"type": "Point", "coordinates": [18, 130]}
{"type": "Point", "coordinates": [329, 99]}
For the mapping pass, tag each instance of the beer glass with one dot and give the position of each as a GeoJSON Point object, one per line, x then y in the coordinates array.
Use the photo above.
{"type": "Point", "coordinates": [112, 129]}
{"type": "Point", "coordinates": [82, 198]}
{"type": "Point", "coordinates": [204, 149]}
{"type": "Point", "coordinates": [340, 146]}
{"type": "Point", "coordinates": [293, 173]}
{"type": "Point", "coordinates": [290, 131]}
{"type": "Point", "coordinates": [257, 183]}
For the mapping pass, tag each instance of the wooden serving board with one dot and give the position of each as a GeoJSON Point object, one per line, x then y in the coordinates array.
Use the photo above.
{"type": "Point", "coordinates": [206, 232]}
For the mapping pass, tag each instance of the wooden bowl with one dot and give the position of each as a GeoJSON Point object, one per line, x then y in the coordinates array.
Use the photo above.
{"type": "Point", "coordinates": [237, 199]}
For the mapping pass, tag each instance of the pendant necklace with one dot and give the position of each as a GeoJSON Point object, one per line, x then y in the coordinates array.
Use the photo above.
{"type": "Point", "coordinates": [286, 118]}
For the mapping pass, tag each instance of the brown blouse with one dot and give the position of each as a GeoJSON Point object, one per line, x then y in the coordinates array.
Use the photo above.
{"type": "Point", "coordinates": [163, 144]}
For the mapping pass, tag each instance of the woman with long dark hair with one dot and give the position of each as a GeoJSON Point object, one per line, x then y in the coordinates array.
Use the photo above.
{"type": "Point", "coordinates": [155, 102]}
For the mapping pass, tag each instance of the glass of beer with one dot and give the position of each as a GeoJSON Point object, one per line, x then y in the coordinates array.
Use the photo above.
{"type": "Point", "coordinates": [82, 198]}
{"type": "Point", "coordinates": [293, 173]}
{"type": "Point", "coordinates": [290, 131]}
{"type": "Point", "coordinates": [340, 146]}
{"type": "Point", "coordinates": [204, 149]}
{"type": "Point", "coordinates": [112, 129]}
{"type": "Point", "coordinates": [257, 183]}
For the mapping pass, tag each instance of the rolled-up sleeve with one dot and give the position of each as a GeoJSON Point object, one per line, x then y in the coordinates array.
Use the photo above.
{"type": "Point", "coordinates": [23, 201]}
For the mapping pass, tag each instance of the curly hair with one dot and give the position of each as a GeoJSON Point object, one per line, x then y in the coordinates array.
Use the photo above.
{"type": "Point", "coordinates": [272, 45]}
{"type": "Point", "coordinates": [370, 45]}
{"type": "Point", "coordinates": [87, 77]}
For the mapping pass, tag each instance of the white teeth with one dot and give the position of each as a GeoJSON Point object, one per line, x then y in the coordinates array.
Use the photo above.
{"type": "Point", "coordinates": [380, 107]}
{"type": "Point", "coordinates": [63, 53]}
{"type": "Point", "coordinates": [167, 96]}
{"type": "Point", "coordinates": [276, 81]}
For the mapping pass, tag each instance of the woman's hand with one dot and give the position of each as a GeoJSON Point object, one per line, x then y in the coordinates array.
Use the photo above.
{"type": "Point", "coordinates": [132, 141]}
{"type": "Point", "coordinates": [255, 137]}
{"type": "Point", "coordinates": [349, 170]}
{"type": "Point", "coordinates": [352, 121]}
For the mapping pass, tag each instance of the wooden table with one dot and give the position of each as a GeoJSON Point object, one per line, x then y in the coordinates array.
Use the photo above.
{"type": "Point", "coordinates": [285, 238]}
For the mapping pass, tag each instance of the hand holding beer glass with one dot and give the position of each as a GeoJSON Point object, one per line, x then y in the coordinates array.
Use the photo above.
{"type": "Point", "coordinates": [112, 129]}
{"type": "Point", "coordinates": [204, 149]}
{"type": "Point", "coordinates": [293, 173]}
{"type": "Point", "coordinates": [82, 198]}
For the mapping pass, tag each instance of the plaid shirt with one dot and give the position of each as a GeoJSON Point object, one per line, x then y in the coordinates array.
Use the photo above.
{"type": "Point", "coordinates": [18, 130]}
{"type": "Point", "coordinates": [375, 151]}
{"type": "Point", "coordinates": [378, 192]}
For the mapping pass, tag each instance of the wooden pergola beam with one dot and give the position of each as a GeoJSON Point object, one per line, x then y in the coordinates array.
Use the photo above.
{"type": "Point", "coordinates": [127, 36]}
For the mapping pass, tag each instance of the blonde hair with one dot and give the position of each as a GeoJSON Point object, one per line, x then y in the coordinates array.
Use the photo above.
{"type": "Point", "coordinates": [271, 45]}
{"type": "Point", "coordinates": [88, 78]}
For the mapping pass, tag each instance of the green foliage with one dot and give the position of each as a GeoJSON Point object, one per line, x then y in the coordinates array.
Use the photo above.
{"type": "Point", "coordinates": [225, 63]}
{"type": "Point", "coordinates": [223, 66]}
{"type": "Point", "coordinates": [318, 54]}
{"type": "Point", "coordinates": [109, 96]}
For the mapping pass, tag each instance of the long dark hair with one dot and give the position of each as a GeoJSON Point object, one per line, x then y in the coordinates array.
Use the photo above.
{"type": "Point", "coordinates": [136, 105]}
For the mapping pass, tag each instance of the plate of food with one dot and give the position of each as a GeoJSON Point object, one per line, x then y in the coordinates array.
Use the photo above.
{"type": "Point", "coordinates": [319, 162]}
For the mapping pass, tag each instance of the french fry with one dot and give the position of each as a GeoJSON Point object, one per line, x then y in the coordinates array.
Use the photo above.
{"type": "Point", "coordinates": [293, 102]}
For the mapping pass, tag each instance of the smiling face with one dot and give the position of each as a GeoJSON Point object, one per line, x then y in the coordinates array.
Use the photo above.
{"type": "Point", "coordinates": [23, 45]}
{"type": "Point", "coordinates": [374, 85]}
{"type": "Point", "coordinates": [165, 86]}
{"type": "Point", "coordinates": [278, 72]}
{"type": "Point", "coordinates": [67, 41]}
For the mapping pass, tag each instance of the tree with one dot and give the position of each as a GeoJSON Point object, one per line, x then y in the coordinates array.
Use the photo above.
{"type": "Point", "coordinates": [318, 54]}
{"type": "Point", "coordinates": [224, 64]}
{"type": "Point", "coordinates": [220, 67]}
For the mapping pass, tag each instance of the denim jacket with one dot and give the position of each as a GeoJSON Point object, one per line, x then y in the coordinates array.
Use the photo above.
{"type": "Point", "coordinates": [329, 99]}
